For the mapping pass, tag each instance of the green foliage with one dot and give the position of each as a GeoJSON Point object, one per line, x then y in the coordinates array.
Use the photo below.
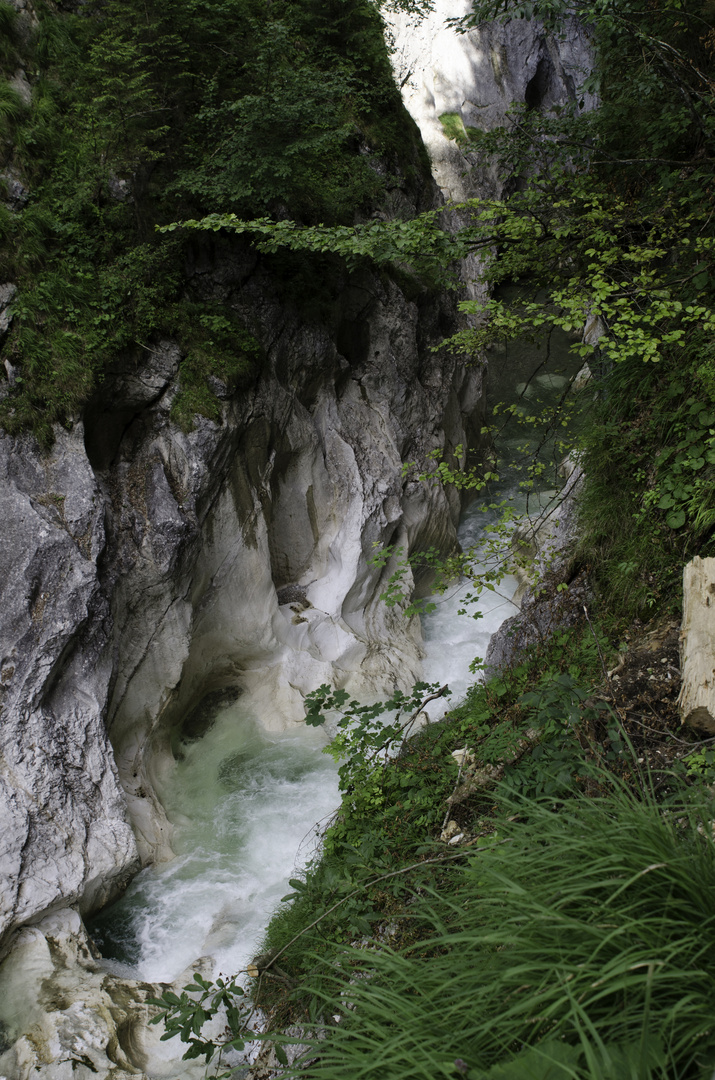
{"type": "Point", "coordinates": [700, 765]}
{"type": "Point", "coordinates": [395, 784]}
{"type": "Point", "coordinates": [216, 346]}
{"type": "Point", "coordinates": [442, 570]}
{"type": "Point", "coordinates": [559, 710]}
{"type": "Point", "coordinates": [8, 19]}
{"type": "Point", "coordinates": [365, 743]}
{"type": "Point", "coordinates": [578, 940]}
{"type": "Point", "coordinates": [420, 243]}
{"type": "Point", "coordinates": [70, 321]}
{"type": "Point", "coordinates": [140, 115]}
{"type": "Point", "coordinates": [200, 1003]}
{"type": "Point", "coordinates": [581, 945]}
{"type": "Point", "coordinates": [683, 484]}
{"type": "Point", "coordinates": [313, 83]}
{"type": "Point", "coordinates": [12, 108]}
{"type": "Point", "coordinates": [615, 271]}
{"type": "Point", "coordinates": [8, 32]}
{"type": "Point", "coordinates": [648, 505]}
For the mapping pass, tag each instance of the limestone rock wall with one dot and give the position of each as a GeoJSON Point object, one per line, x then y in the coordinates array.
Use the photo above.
{"type": "Point", "coordinates": [476, 77]}
{"type": "Point", "coordinates": [452, 81]}
{"type": "Point", "coordinates": [144, 567]}
{"type": "Point", "coordinates": [65, 837]}
{"type": "Point", "coordinates": [284, 499]}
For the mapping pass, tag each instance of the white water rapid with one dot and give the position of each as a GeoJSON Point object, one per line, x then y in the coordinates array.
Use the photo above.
{"type": "Point", "coordinates": [247, 806]}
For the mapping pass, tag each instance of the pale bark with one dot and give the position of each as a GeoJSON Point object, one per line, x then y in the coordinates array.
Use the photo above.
{"type": "Point", "coordinates": [697, 646]}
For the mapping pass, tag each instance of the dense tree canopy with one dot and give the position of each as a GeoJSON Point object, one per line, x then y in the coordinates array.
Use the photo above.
{"type": "Point", "coordinates": [141, 114]}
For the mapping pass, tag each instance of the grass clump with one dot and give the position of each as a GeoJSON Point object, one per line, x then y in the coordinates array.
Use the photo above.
{"type": "Point", "coordinates": [453, 127]}
{"type": "Point", "coordinates": [582, 944]}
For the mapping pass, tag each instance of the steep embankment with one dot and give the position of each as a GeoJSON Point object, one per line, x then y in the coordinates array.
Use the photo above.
{"type": "Point", "coordinates": [148, 565]}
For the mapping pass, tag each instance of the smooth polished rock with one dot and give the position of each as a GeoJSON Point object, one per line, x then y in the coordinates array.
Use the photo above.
{"type": "Point", "coordinates": [65, 835]}
{"type": "Point", "coordinates": [67, 1018]}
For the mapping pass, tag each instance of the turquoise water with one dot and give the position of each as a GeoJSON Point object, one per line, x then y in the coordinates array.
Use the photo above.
{"type": "Point", "coordinates": [245, 804]}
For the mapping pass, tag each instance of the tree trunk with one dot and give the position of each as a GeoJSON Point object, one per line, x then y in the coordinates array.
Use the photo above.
{"type": "Point", "coordinates": [697, 646]}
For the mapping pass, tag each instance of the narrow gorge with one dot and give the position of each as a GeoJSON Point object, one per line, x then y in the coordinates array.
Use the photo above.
{"type": "Point", "coordinates": [151, 574]}
{"type": "Point", "coordinates": [222, 445]}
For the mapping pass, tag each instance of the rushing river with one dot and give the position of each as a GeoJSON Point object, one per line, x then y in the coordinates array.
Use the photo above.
{"type": "Point", "coordinates": [247, 805]}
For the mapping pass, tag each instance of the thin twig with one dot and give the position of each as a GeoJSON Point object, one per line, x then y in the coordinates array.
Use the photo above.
{"type": "Point", "coordinates": [420, 709]}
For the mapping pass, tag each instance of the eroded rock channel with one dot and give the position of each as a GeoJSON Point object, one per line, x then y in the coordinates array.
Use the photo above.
{"type": "Point", "coordinates": [152, 576]}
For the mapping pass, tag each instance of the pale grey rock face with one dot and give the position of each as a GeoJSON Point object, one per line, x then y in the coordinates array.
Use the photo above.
{"type": "Point", "coordinates": [476, 77]}
{"type": "Point", "coordinates": [7, 292]}
{"type": "Point", "coordinates": [473, 79]}
{"type": "Point", "coordinates": [141, 566]}
{"type": "Point", "coordinates": [21, 86]}
{"type": "Point", "coordinates": [65, 835]}
{"type": "Point", "coordinates": [545, 545]}
{"type": "Point", "coordinates": [144, 567]}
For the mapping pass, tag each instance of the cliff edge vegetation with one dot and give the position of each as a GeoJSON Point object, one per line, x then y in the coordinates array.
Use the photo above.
{"type": "Point", "coordinates": [119, 118]}
{"type": "Point", "coordinates": [524, 889]}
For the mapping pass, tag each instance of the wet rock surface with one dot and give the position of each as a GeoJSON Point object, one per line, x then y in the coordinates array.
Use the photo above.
{"type": "Point", "coordinates": [65, 835]}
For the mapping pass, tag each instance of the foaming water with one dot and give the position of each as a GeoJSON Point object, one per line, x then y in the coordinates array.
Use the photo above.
{"type": "Point", "coordinates": [453, 640]}
{"type": "Point", "coordinates": [245, 804]}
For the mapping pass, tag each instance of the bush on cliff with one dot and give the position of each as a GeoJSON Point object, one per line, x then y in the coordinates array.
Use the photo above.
{"type": "Point", "coordinates": [141, 114]}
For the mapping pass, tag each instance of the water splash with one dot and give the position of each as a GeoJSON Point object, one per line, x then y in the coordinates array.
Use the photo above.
{"type": "Point", "coordinates": [245, 804]}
